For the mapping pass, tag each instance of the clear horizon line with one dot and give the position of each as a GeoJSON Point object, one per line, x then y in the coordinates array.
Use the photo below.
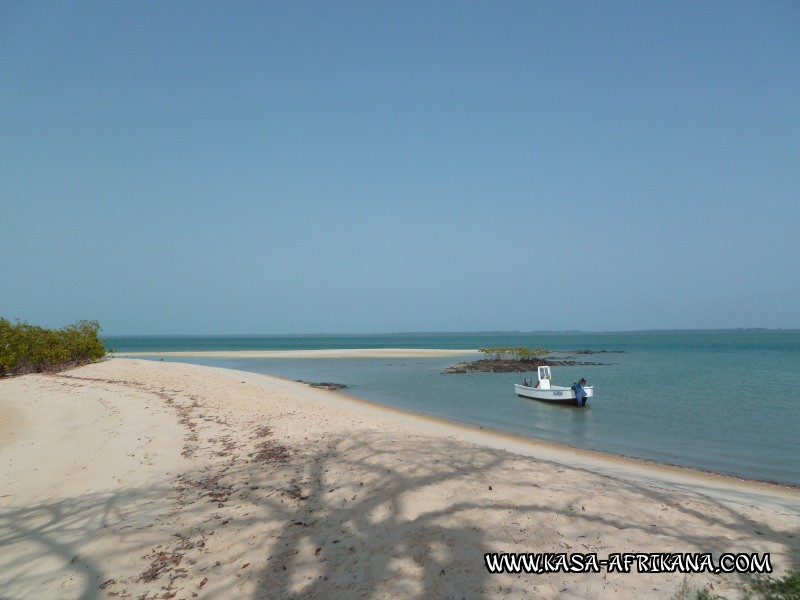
{"type": "Point", "coordinates": [483, 331]}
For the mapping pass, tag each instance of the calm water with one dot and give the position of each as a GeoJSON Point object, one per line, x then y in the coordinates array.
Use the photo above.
{"type": "Point", "coordinates": [721, 401]}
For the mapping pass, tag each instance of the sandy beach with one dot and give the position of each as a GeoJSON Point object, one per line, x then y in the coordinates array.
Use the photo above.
{"type": "Point", "coordinates": [142, 479]}
{"type": "Point", "coordinates": [328, 353]}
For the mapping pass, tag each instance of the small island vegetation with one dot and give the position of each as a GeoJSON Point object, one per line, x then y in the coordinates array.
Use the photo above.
{"type": "Point", "coordinates": [519, 359]}
{"type": "Point", "coordinates": [27, 348]}
{"type": "Point", "coordinates": [516, 353]}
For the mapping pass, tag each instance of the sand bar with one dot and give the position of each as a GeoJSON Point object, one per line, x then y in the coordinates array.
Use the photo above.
{"type": "Point", "coordinates": [327, 353]}
{"type": "Point", "coordinates": [134, 478]}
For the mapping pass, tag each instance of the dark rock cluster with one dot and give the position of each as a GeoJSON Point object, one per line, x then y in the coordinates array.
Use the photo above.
{"type": "Point", "coordinates": [522, 366]}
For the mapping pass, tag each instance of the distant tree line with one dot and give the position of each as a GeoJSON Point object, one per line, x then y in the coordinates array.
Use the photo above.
{"type": "Point", "coordinates": [27, 348]}
{"type": "Point", "coordinates": [517, 353]}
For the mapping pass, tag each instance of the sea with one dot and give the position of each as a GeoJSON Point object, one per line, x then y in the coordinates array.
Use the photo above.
{"type": "Point", "coordinates": [726, 401]}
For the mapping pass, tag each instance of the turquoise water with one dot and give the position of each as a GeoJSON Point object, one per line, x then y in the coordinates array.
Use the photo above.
{"type": "Point", "coordinates": [724, 401]}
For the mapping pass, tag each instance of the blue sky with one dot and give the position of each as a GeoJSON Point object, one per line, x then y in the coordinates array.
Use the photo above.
{"type": "Point", "coordinates": [299, 167]}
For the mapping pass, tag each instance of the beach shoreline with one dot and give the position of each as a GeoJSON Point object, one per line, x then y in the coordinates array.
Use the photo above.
{"type": "Point", "coordinates": [526, 445]}
{"type": "Point", "coordinates": [162, 477]}
{"type": "Point", "coordinates": [616, 428]}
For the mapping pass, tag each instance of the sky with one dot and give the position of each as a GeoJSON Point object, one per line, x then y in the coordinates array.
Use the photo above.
{"type": "Point", "coordinates": [365, 167]}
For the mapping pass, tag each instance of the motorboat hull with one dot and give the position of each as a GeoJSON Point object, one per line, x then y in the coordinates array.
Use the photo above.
{"type": "Point", "coordinates": [556, 394]}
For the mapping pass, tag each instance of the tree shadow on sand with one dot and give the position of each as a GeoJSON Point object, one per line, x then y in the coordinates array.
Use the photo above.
{"type": "Point", "coordinates": [366, 514]}
{"type": "Point", "coordinates": [408, 518]}
{"type": "Point", "coordinates": [360, 527]}
{"type": "Point", "coordinates": [47, 548]}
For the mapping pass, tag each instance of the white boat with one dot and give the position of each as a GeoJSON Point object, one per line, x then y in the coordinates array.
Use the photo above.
{"type": "Point", "coordinates": [543, 390]}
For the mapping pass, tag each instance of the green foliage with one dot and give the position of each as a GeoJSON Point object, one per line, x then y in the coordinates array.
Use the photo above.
{"type": "Point", "coordinates": [26, 348]}
{"type": "Point", "coordinates": [784, 588]}
{"type": "Point", "coordinates": [518, 353]}
{"type": "Point", "coordinates": [762, 587]}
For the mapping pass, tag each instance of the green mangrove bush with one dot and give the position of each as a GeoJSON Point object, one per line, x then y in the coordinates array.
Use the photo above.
{"type": "Point", "coordinates": [27, 348]}
{"type": "Point", "coordinates": [517, 353]}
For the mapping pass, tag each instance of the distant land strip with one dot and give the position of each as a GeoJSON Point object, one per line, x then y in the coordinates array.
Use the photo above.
{"type": "Point", "coordinates": [324, 353]}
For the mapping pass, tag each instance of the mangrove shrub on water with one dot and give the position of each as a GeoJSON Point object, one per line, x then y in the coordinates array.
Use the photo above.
{"type": "Point", "coordinates": [27, 348]}
{"type": "Point", "coordinates": [516, 353]}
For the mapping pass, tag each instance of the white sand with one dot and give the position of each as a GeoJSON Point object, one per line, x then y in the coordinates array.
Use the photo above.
{"type": "Point", "coordinates": [342, 353]}
{"type": "Point", "coordinates": [146, 479]}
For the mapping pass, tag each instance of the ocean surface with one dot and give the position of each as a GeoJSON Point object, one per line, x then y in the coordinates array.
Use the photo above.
{"type": "Point", "coordinates": [723, 401]}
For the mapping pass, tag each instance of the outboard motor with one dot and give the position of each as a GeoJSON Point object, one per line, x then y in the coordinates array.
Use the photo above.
{"type": "Point", "coordinates": [580, 393]}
